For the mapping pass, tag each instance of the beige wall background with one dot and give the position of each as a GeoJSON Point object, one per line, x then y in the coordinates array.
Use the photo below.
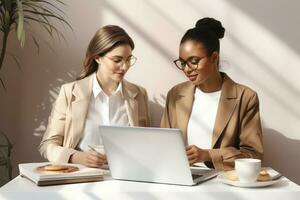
{"type": "Point", "coordinates": [261, 49]}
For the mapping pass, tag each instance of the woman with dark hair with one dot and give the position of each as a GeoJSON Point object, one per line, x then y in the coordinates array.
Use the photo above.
{"type": "Point", "coordinates": [100, 96]}
{"type": "Point", "coordinates": [218, 117]}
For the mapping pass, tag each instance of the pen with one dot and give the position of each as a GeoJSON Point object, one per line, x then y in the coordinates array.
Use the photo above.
{"type": "Point", "coordinates": [91, 147]}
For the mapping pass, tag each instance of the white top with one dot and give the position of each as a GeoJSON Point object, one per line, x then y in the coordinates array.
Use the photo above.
{"type": "Point", "coordinates": [103, 110]}
{"type": "Point", "coordinates": [202, 119]}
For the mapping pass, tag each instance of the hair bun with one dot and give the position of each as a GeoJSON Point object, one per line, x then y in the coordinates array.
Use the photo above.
{"type": "Point", "coordinates": [211, 25]}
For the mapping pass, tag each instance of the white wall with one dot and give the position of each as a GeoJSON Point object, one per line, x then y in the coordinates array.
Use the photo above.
{"type": "Point", "coordinates": [260, 49]}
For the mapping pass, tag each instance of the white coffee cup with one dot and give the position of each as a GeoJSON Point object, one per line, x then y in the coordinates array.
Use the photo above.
{"type": "Point", "coordinates": [247, 169]}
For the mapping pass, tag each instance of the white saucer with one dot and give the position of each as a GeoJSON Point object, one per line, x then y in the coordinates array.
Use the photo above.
{"type": "Point", "coordinates": [271, 171]}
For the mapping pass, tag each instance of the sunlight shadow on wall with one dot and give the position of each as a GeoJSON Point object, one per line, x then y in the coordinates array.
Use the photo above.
{"type": "Point", "coordinates": [155, 44]}
{"type": "Point", "coordinates": [272, 13]}
{"type": "Point", "coordinates": [42, 110]}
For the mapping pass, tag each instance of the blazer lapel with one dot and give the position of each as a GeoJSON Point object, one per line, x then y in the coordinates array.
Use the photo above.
{"type": "Point", "coordinates": [80, 104]}
{"type": "Point", "coordinates": [131, 103]}
{"type": "Point", "coordinates": [184, 105]}
{"type": "Point", "coordinates": [226, 107]}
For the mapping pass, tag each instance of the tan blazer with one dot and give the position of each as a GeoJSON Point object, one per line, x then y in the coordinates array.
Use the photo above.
{"type": "Point", "coordinates": [237, 131]}
{"type": "Point", "coordinates": [68, 116]}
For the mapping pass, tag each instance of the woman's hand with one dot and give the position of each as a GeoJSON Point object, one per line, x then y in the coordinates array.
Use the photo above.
{"type": "Point", "coordinates": [195, 154]}
{"type": "Point", "coordinates": [89, 158]}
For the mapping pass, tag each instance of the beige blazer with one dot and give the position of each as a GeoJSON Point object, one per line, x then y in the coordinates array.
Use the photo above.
{"type": "Point", "coordinates": [237, 131]}
{"type": "Point", "coordinates": [68, 116]}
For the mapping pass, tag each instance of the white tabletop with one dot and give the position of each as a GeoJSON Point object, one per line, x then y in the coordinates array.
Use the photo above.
{"type": "Point", "coordinates": [21, 188]}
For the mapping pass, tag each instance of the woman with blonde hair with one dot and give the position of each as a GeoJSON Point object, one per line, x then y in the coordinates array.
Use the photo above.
{"type": "Point", "coordinates": [100, 96]}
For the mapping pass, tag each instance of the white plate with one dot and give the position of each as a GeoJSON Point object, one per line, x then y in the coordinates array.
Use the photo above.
{"type": "Point", "coordinates": [222, 179]}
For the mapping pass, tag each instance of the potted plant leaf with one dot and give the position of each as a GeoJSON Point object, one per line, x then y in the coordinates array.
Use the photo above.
{"type": "Point", "coordinates": [18, 15]}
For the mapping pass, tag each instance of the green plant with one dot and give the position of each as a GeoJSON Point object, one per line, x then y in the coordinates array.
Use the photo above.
{"type": "Point", "coordinates": [19, 14]}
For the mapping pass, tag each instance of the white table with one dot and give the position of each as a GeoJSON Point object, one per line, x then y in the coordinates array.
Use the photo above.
{"type": "Point", "coordinates": [21, 188]}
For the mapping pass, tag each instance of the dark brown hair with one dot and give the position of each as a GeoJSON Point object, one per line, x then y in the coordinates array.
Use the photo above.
{"type": "Point", "coordinates": [105, 39]}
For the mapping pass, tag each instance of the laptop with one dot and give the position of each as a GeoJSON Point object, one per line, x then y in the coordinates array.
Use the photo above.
{"type": "Point", "coordinates": [150, 155]}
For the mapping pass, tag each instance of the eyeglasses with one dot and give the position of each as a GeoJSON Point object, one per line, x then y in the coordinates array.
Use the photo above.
{"type": "Point", "coordinates": [192, 63]}
{"type": "Point", "coordinates": [119, 62]}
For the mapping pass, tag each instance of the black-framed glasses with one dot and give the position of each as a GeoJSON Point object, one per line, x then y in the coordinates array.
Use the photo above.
{"type": "Point", "coordinates": [119, 62]}
{"type": "Point", "coordinates": [191, 62]}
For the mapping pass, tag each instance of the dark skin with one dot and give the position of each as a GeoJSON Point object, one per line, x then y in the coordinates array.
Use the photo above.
{"type": "Point", "coordinates": [206, 77]}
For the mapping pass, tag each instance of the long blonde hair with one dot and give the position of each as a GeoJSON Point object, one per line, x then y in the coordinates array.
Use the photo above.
{"type": "Point", "coordinates": [105, 39]}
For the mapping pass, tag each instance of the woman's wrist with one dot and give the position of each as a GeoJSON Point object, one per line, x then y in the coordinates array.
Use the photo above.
{"type": "Point", "coordinates": [207, 156]}
{"type": "Point", "coordinates": [74, 158]}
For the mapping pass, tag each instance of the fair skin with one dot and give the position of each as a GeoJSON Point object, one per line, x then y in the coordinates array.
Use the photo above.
{"type": "Point", "coordinates": [206, 77]}
{"type": "Point", "coordinates": [111, 71]}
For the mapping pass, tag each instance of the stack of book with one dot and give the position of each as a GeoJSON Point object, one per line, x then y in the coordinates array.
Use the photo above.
{"type": "Point", "coordinates": [46, 173]}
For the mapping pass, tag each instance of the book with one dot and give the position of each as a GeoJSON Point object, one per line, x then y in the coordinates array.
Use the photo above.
{"type": "Point", "coordinates": [46, 173]}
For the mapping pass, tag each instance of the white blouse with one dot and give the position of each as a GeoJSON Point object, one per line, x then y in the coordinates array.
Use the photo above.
{"type": "Point", "coordinates": [103, 110]}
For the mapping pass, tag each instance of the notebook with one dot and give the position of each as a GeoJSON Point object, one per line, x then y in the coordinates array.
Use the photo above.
{"type": "Point", "coordinates": [70, 173]}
